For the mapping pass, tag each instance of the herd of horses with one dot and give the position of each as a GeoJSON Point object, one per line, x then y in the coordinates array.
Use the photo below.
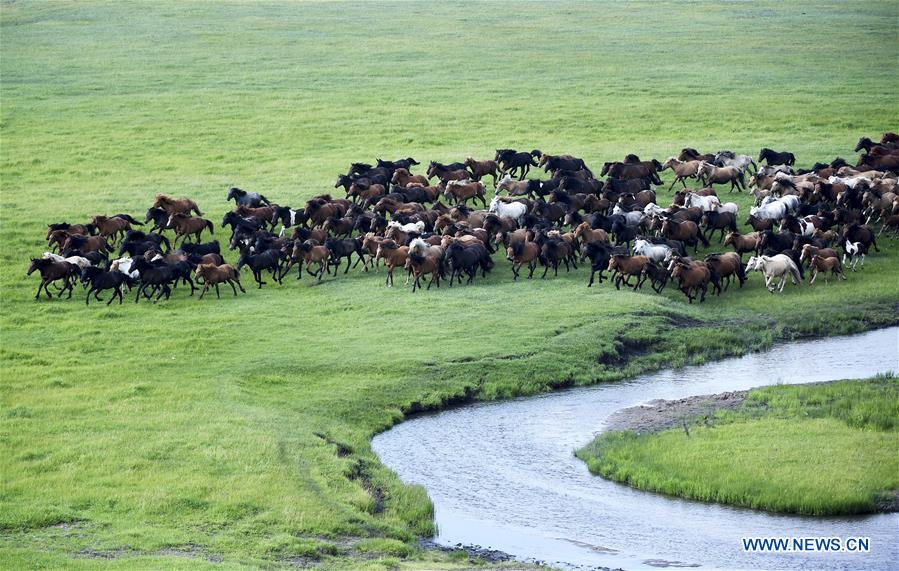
{"type": "Point", "coordinates": [425, 226]}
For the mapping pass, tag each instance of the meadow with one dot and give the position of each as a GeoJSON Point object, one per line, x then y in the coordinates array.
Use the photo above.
{"type": "Point", "coordinates": [827, 449]}
{"type": "Point", "coordinates": [186, 432]}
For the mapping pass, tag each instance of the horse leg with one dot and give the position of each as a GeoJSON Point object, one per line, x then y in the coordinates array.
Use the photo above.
{"type": "Point", "coordinates": [217, 294]}
{"type": "Point", "coordinates": [205, 289]}
{"type": "Point", "coordinates": [87, 300]}
{"type": "Point", "coordinates": [348, 260]}
{"type": "Point", "coordinates": [115, 292]}
{"type": "Point", "coordinates": [592, 275]}
{"type": "Point", "coordinates": [705, 288]}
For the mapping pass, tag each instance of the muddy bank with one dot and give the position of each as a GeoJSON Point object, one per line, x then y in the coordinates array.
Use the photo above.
{"type": "Point", "coordinates": [660, 414]}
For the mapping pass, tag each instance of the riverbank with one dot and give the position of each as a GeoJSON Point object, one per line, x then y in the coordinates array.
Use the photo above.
{"type": "Point", "coordinates": [816, 449]}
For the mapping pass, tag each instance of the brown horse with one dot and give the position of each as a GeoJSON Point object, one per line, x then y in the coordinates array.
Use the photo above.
{"type": "Point", "coordinates": [402, 177]}
{"type": "Point", "coordinates": [265, 214]}
{"type": "Point", "coordinates": [809, 251]}
{"type": "Point", "coordinates": [52, 271]}
{"type": "Point", "coordinates": [830, 264]}
{"type": "Point", "coordinates": [682, 170]}
{"type": "Point", "coordinates": [185, 225]}
{"type": "Point", "coordinates": [461, 192]}
{"type": "Point", "coordinates": [480, 169]}
{"type": "Point", "coordinates": [520, 253]}
{"type": "Point", "coordinates": [587, 234]}
{"type": "Point", "coordinates": [394, 257]}
{"type": "Point", "coordinates": [215, 274]}
{"type": "Point", "coordinates": [691, 154]}
{"type": "Point", "coordinates": [87, 244]}
{"type": "Point", "coordinates": [176, 205]}
{"type": "Point", "coordinates": [727, 265]}
{"type": "Point", "coordinates": [743, 243]}
{"type": "Point", "coordinates": [686, 231]}
{"type": "Point", "coordinates": [693, 277]}
{"type": "Point", "coordinates": [111, 228]}
{"type": "Point", "coordinates": [623, 267]}
{"type": "Point", "coordinates": [709, 174]}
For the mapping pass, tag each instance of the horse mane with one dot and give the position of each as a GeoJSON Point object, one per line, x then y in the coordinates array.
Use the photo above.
{"type": "Point", "coordinates": [517, 248]}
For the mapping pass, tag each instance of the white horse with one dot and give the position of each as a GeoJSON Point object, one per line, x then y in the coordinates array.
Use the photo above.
{"type": "Point", "coordinates": [79, 261]}
{"type": "Point", "coordinates": [655, 252]}
{"type": "Point", "coordinates": [856, 251]}
{"type": "Point", "coordinates": [631, 217]}
{"type": "Point", "coordinates": [411, 227]}
{"type": "Point", "coordinates": [769, 170]}
{"type": "Point", "coordinates": [653, 209]}
{"type": "Point", "coordinates": [851, 182]}
{"type": "Point", "coordinates": [124, 265]}
{"type": "Point", "coordinates": [707, 203]}
{"type": "Point", "coordinates": [778, 266]}
{"type": "Point", "coordinates": [731, 207]}
{"type": "Point", "coordinates": [514, 210]}
{"type": "Point", "coordinates": [742, 162]}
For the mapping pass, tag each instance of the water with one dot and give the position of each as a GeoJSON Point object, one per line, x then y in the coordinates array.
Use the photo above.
{"type": "Point", "coordinates": [503, 475]}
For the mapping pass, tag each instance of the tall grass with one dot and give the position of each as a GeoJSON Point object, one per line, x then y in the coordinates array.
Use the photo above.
{"type": "Point", "coordinates": [814, 449]}
{"type": "Point", "coordinates": [239, 425]}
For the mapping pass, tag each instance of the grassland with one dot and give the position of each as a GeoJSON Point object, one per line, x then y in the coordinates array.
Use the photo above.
{"type": "Point", "coordinates": [826, 449]}
{"type": "Point", "coordinates": [185, 432]}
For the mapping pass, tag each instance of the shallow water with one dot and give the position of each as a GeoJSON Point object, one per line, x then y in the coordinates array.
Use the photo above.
{"type": "Point", "coordinates": [503, 474]}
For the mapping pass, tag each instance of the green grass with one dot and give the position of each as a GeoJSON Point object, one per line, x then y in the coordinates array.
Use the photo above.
{"type": "Point", "coordinates": [240, 428]}
{"type": "Point", "coordinates": [811, 449]}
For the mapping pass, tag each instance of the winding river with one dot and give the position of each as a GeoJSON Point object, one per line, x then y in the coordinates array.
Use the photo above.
{"type": "Point", "coordinates": [503, 475]}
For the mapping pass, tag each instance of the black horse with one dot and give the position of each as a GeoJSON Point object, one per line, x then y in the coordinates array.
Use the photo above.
{"type": "Point", "coordinates": [343, 249]}
{"type": "Point", "coordinates": [566, 163]}
{"type": "Point", "coordinates": [195, 249]}
{"type": "Point", "coordinates": [160, 276]}
{"type": "Point", "coordinates": [100, 279]}
{"type": "Point", "coordinates": [244, 198]}
{"type": "Point", "coordinates": [511, 161]}
{"type": "Point", "coordinates": [468, 259]}
{"type": "Point", "coordinates": [268, 260]}
{"type": "Point", "coordinates": [775, 158]}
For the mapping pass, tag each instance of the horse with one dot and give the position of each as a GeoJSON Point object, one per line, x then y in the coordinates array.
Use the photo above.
{"type": "Point", "coordinates": [729, 159]}
{"type": "Point", "coordinates": [447, 172]}
{"type": "Point", "coordinates": [268, 260]}
{"type": "Point", "coordinates": [706, 203]}
{"type": "Point", "coordinates": [624, 267]}
{"type": "Point", "coordinates": [520, 253]}
{"type": "Point", "coordinates": [343, 249]}
{"type": "Point", "coordinates": [511, 161]}
{"type": "Point", "coordinates": [856, 233]}
{"type": "Point", "coordinates": [682, 170]}
{"type": "Point", "coordinates": [563, 162]}
{"type": "Point", "coordinates": [79, 261]}
{"type": "Point", "coordinates": [112, 227]}
{"type": "Point", "coordinates": [653, 252]}
{"type": "Point", "coordinates": [776, 158]}
{"type": "Point", "coordinates": [186, 225]}
{"type": "Point", "coordinates": [52, 271]}
{"type": "Point", "coordinates": [100, 279]}
{"type": "Point", "coordinates": [691, 154]}
{"type": "Point", "coordinates": [778, 266]}
{"type": "Point", "coordinates": [514, 210]}
{"type": "Point", "coordinates": [244, 198]}
{"type": "Point", "coordinates": [819, 263]}
{"type": "Point", "coordinates": [743, 243]}
{"type": "Point", "coordinates": [716, 220]}
{"type": "Point", "coordinates": [87, 244]}
{"type": "Point", "coordinates": [709, 174]}
{"type": "Point", "coordinates": [693, 277]}
{"type": "Point", "coordinates": [645, 170]}
{"type": "Point", "coordinates": [686, 231]}
{"type": "Point", "coordinates": [462, 191]}
{"type": "Point", "coordinates": [159, 275]}
{"type": "Point", "coordinates": [176, 205]}
{"type": "Point", "coordinates": [855, 251]}
{"type": "Point", "coordinates": [726, 265]}
{"type": "Point", "coordinates": [213, 275]}
{"type": "Point", "coordinates": [394, 256]}
{"type": "Point", "coordinates": [403, 177]}
{"type": "Point", "coordinates": [83, 229]}
{"type": "Point", "coordinates": [467, 258]}
{"type": "Point", "coordinates": [809, 251]}
{"type": "Point", "coordinates": [480, 169]}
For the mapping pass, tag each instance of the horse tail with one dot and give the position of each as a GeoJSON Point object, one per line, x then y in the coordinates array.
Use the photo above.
{"type": "Point", "coordinates": [874, 242]}
{"type": "Point", "coordinates": [741, 177]}
{"type": "Point", "coordinates": [536, 153]}
{"type": "Point", "coordinates": [264, 200]}
{"type": "Point", "coordinates": [196, 209]}
{"type": "Point", "coordinates": [209, 225]}
{"type": "Point", "coordinates": [702, 238]}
